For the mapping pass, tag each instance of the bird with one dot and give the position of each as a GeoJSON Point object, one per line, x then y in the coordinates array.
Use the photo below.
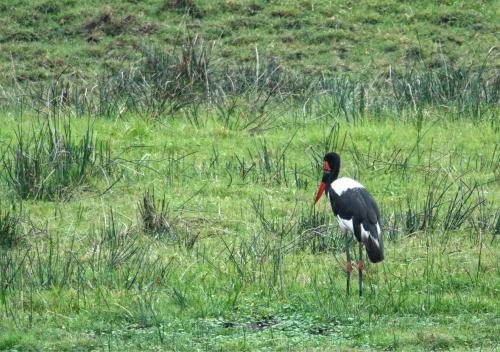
{"type": "Point", "coordinates": [356, 211]}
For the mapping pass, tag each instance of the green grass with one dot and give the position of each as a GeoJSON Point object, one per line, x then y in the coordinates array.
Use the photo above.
{"type": "Point", "coordinates": [44, 39]}
{"type": "Point", "coordinates": [238, 269]}
{"type": "Point", "coordinates": [159, 159]}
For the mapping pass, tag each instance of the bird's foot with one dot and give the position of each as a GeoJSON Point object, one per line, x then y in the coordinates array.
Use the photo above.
{"type": "Point", "coordinates": [361, 265]}
{"type": "Point", "coordinates": [348, 267]}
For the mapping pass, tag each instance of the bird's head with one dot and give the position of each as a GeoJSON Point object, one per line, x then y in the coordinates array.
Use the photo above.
{"type": "Point", "coordinates": [331, 167]}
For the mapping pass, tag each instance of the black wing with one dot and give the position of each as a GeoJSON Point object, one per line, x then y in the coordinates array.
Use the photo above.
{"type": "Point", "coordinates": [358, 204]}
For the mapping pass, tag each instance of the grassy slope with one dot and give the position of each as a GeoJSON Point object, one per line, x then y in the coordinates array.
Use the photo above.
{"type": "Point", "coordinates": [430, 293]}
{"type": "Point", "coordinates": [43, 38]}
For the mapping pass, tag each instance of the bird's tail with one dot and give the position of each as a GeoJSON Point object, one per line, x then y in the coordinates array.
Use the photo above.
{"type": "Point", "coordinates": [375, 246]}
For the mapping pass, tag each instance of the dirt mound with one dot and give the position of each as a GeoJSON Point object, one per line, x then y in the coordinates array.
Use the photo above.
{"type": "Point", "coordinates": [108, 24]}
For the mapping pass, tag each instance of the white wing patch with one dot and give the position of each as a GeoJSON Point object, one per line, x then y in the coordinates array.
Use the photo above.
{"type": "Point", "coordinates": [364, 234]}
{"type": "Point", "coordinates": [345, 225]}
{"type": "Point", "coordinates": [342, 184]}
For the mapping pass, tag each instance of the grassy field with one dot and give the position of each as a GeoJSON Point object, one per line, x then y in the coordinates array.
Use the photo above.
{"type": "Point", "coordinates": [237, 259]}
{"type": "Point", "coordinates": [43, 39]}
{"type": "Point", "coordinates": [156, 188]}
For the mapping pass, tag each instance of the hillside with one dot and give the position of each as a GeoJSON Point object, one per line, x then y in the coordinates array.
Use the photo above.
{"type": "Point", "coordinates": [44, 39]}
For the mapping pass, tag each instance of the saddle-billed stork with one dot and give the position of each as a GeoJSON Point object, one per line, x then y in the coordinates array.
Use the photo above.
{"type": "Point", "coordinates": [356, 211]}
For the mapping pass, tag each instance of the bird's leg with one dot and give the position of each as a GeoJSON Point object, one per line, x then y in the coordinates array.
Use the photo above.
{"type": "Point", "coordinates": [348, 265]}
{"type": "Point", "coordinates": [361, 266]}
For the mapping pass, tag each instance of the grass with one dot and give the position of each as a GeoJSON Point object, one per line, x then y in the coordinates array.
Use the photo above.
{"type": "Point", "coordinates": [9, 229]}
{"type": "Point", "coordinates": [252, 96]}
{"type": "Point", "coordinates": [47, 163]}
{"type": "Point", "coordinates": [255, 268]}
{"type": "Point", "coordinates": [45, 39]}
{"type": "Point", "coordinates": [158, 162]}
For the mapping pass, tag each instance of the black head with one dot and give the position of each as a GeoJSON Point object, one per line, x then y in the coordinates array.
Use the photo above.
{"type": "Point", "coordinates": [331, 167]}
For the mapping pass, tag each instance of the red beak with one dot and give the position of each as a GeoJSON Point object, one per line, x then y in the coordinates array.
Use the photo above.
{"type": "Point", "coordinates": [322, 185]}
{"type": "Point", "coordinates": [321, 190]}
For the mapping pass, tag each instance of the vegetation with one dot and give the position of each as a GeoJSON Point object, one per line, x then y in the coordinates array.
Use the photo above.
{"type": "Point", "coordinates": [239, 258]}
{"type": "Point", "coordinates": [160, 196]}
{"type": "Point", "coordinates": [46, 163]}
{"type": "Point", "coordinates": [44, 39]}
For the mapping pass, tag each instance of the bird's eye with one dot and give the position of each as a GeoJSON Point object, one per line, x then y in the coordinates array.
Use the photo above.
{"type": "Point", "coordinates": [326, 167]}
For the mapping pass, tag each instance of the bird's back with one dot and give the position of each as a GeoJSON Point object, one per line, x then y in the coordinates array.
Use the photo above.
{"type": "Point", "coordinates": [352, 202]}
